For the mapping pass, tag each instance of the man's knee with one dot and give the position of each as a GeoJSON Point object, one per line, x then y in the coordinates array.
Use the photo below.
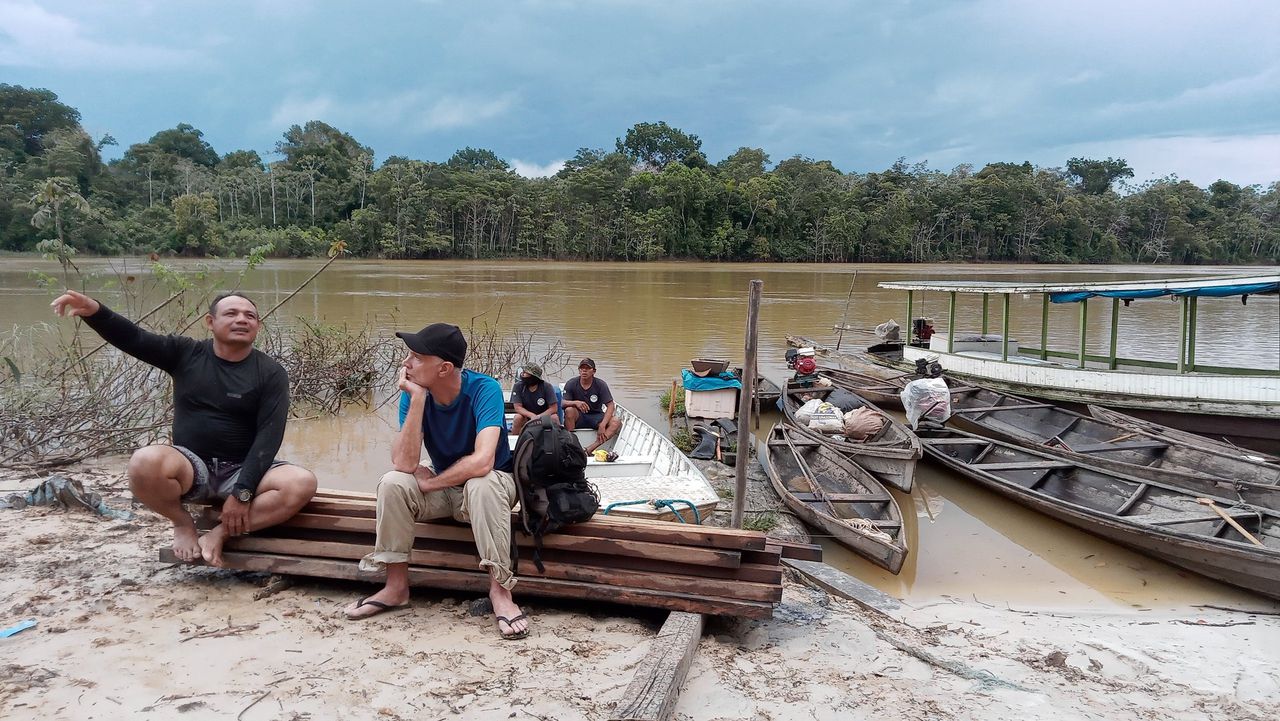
{"type": "Point", "coordinates": [154, 464]}
{"type": "Point", "coordinates": [396, 484]}
{"type": "Point", "coordinates": [571, 414]}
{"type": "Point", "coordinates": [487, 490]}
{"type": "Point", "coordinates": [296, 483]}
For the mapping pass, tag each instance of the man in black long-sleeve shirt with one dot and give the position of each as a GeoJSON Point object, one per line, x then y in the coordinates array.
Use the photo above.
{"type": "Point", "coordinates": [231, 403]}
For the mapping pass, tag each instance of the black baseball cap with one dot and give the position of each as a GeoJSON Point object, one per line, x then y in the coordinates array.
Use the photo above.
{"type": "Point", "coordinates": [588, 363]}
{"type": "Point", "coordinates": [438, 339]}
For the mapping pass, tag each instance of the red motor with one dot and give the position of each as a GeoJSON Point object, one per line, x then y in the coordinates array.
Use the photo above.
{"type": "Point", "coordinates": [805, 365]}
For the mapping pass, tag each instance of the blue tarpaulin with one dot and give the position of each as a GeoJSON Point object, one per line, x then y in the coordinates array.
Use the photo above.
{"type": "Point", "coordinates": [692, 382]}
{"type": "Point", "coordinates": [1216, 291]}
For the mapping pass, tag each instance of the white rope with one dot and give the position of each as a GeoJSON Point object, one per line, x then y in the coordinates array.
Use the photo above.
{"type": "Point", "coordinates": [867, 528]}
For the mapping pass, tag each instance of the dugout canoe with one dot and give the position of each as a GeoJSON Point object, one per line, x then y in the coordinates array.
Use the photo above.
{"type": "Point", "coordinates": [891, 455]}
{"type": "Point", "coordinates": [1159, 520]}
{"type": "Point", "coordinates": [828, 491]}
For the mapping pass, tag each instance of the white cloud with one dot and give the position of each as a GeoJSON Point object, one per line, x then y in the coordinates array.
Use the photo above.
{"type": "Point", "coordinates": [534, 170]}
{"type": "Point", "coordinates": [1262, 84]}
{"type": "Point", "coordinates": [1203, 159]}
{"type": "Point", "coordinates": [451, 111]}
{"type": "Point", "coordinates": [297, 111]}
{"type": "Point", "coordinates": [34, 37]}
{"type": "Point", "coordinates": [415, 109]}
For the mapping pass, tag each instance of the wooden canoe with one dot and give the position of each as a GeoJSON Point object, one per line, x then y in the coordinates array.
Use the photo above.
{"type": "Point", "coordinates": [1088, 440]}
{"type": "Point", "coordinates": [890, 456]}
{"type": "Point", "coordinates": [1157, 519]}
{"type": "Point", "coordinates": [827, 491]}
{"type": "Point", "coordinates": [1177, 435]}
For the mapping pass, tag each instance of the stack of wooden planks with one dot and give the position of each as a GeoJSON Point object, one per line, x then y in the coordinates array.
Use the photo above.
{"type": "Point", "coordinates": [679, 567]}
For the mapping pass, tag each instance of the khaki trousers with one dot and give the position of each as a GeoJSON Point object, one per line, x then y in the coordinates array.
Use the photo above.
{"type": "Point", "coordinates": [484, 502]}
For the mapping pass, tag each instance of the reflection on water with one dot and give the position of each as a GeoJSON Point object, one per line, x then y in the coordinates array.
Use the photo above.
{"type": "Point", "coordinates": [643, 322]}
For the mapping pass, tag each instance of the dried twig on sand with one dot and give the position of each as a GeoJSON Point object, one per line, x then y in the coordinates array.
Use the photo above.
{"type": "Point", "coordinates": [229, 630]}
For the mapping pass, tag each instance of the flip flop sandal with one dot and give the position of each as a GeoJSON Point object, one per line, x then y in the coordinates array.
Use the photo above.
{"type": "Point", "coordinates": [382, 608]}
{"type": "Point", "coordinates": [513, 635]}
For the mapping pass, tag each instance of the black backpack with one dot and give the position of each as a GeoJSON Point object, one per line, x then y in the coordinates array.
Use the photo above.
{"type": "Point", "coordinates": [550, 476]}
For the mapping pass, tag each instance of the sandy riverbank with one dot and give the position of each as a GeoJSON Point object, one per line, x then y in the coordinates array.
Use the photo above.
{"type": "Point", "coordinates": [120, 635]}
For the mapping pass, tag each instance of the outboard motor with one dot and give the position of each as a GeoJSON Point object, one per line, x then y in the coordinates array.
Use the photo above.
{"type": "Point", "coordinates": [791, 358]}
{"type": "Point", "coordinates": [926, 368]}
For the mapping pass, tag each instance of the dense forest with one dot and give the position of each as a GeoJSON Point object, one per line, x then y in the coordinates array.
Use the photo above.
{"type": "Point", "coordinates": [654, 195]}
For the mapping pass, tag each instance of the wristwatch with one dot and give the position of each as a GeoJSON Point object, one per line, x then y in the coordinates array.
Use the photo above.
{"type": "Point", "coordinates": [244, 495]}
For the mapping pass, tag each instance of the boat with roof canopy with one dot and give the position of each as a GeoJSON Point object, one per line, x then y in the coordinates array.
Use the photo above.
{"type": "Point", "coordinates": [1242, 404]}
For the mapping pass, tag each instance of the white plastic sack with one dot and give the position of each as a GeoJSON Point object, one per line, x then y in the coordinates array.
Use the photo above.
{"type": "Point", "coordinates": [805, 412]}
{"type": "Point", "coordinates": [926, 397]}
{"type": "Point", "coordinates": [889, 331]}
{"type": "Point", "coordinates": [827, 419]}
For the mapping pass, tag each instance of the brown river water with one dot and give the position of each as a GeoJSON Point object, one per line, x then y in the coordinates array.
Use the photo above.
{"type": "Point", "coordinates": [643, 322]}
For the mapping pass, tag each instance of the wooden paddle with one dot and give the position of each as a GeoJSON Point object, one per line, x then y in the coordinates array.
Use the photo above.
{"type": "Point", "coordinates": [1209, 502]}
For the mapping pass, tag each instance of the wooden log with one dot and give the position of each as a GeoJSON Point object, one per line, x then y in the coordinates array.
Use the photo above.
{"type": "Point", "coordinates": [839, 583]}
{"type": "Point", "coordinates": [588, 544]}
{"type": "Point", "coordinates": [636, 529]}
{"type": "Point", "coordinates": [770, 556]}
{"type": "Point", "coordinates": [554, 569]}
{"type": "Point", "coordinates": [653, 691]}
{"type": "Point", "coordinates": [796, 550]}
{"type": "Point", "coordinates": [478, 582]}
{"type": "Point", "coordinates": [767, 573]}
{"type": "Point", "coordinates": [750, 572]}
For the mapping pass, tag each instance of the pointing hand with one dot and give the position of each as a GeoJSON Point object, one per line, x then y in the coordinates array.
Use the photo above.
{"type": "Point", "coordinates": [74, 304]}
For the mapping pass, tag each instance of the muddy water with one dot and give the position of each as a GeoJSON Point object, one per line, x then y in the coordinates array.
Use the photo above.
{"type": "Point", "coordinates": [642, 323]}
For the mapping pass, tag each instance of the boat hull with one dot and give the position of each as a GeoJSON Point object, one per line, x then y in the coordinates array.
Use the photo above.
{"type": "Point", "coordinates": [1245, 409]}
{"type": "Point", "coordinates": [836, 475]}
{"type": "Point", "coordinates": [891, 459]}
{"type": "Point", "coordinates": [1231, 561]}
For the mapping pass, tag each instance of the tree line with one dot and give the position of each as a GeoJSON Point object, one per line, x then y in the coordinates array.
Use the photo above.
{"type": "Point", "coordinates": [654, 195]}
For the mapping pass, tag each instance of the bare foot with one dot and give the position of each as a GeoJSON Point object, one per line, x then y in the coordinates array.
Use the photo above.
{"type": "Point", "coordinates": [385, 600]}
{"type": "Point", "coordinates": [504, 607]}
{"type": "Point", "coordinates": [185, 544]}
{"type": "Point", "coordinates": [211, 546]}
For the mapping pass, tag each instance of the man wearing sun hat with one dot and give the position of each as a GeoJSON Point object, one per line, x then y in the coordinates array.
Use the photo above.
{"type": "Point", "coordinates": [532, 398]}
{"type": "Point", "coordinates": [458, 416]}
{"type": "Point", "coordinates": [588, 403]}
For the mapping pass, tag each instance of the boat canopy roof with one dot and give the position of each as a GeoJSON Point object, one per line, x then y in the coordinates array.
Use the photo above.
{"type": "Point", "coordinates": [1213, 287]}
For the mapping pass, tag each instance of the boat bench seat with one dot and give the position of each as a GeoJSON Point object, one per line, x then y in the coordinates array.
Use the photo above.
{"type": "Point", "coordinates": [844, 497]}
{"type": "Point", "coordinates": [624, 466]}
{"type": "Point", "coordinates": [1178, 518]}
{"type": "Point", "coordinates": [1126, 446]}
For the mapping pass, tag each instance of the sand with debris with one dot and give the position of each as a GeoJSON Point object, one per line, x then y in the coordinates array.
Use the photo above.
{"type": "Point", "coordinates": [120, 635]}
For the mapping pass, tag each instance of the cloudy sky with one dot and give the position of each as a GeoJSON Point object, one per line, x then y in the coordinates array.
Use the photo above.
{"type": "Point", "coordinates": [1190, 88]}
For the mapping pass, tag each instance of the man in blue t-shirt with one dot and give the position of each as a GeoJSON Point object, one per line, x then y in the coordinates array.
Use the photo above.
{"type": "Point", "coordinates": [589, 404]}
{"type": "Point", "coordinates": [457, 415]}
{"type": "Point", "coordinates": [532, 398]}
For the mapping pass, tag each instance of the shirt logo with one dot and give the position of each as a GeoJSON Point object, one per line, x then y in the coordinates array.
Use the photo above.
{"type": "Point", "coordinates": [594, 397]}
{"type": "Point", "coordinates": [234, 395]}
{"type": "Point", "coordinates": [542, 401]}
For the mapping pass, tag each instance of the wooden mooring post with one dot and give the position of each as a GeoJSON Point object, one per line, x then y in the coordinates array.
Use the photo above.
{"type": "Point", "coordinates": [744, 406]}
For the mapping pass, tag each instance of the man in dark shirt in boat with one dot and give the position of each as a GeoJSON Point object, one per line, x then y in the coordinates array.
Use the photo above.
{"type": "Point", "coordinates": [230, 405]}
{"type": "Point", "coordinates": [589, 404]}
{"type": "Point", "coordinates": [457, 416]}
{"type": "Point", "coordinates": [532, 398]}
